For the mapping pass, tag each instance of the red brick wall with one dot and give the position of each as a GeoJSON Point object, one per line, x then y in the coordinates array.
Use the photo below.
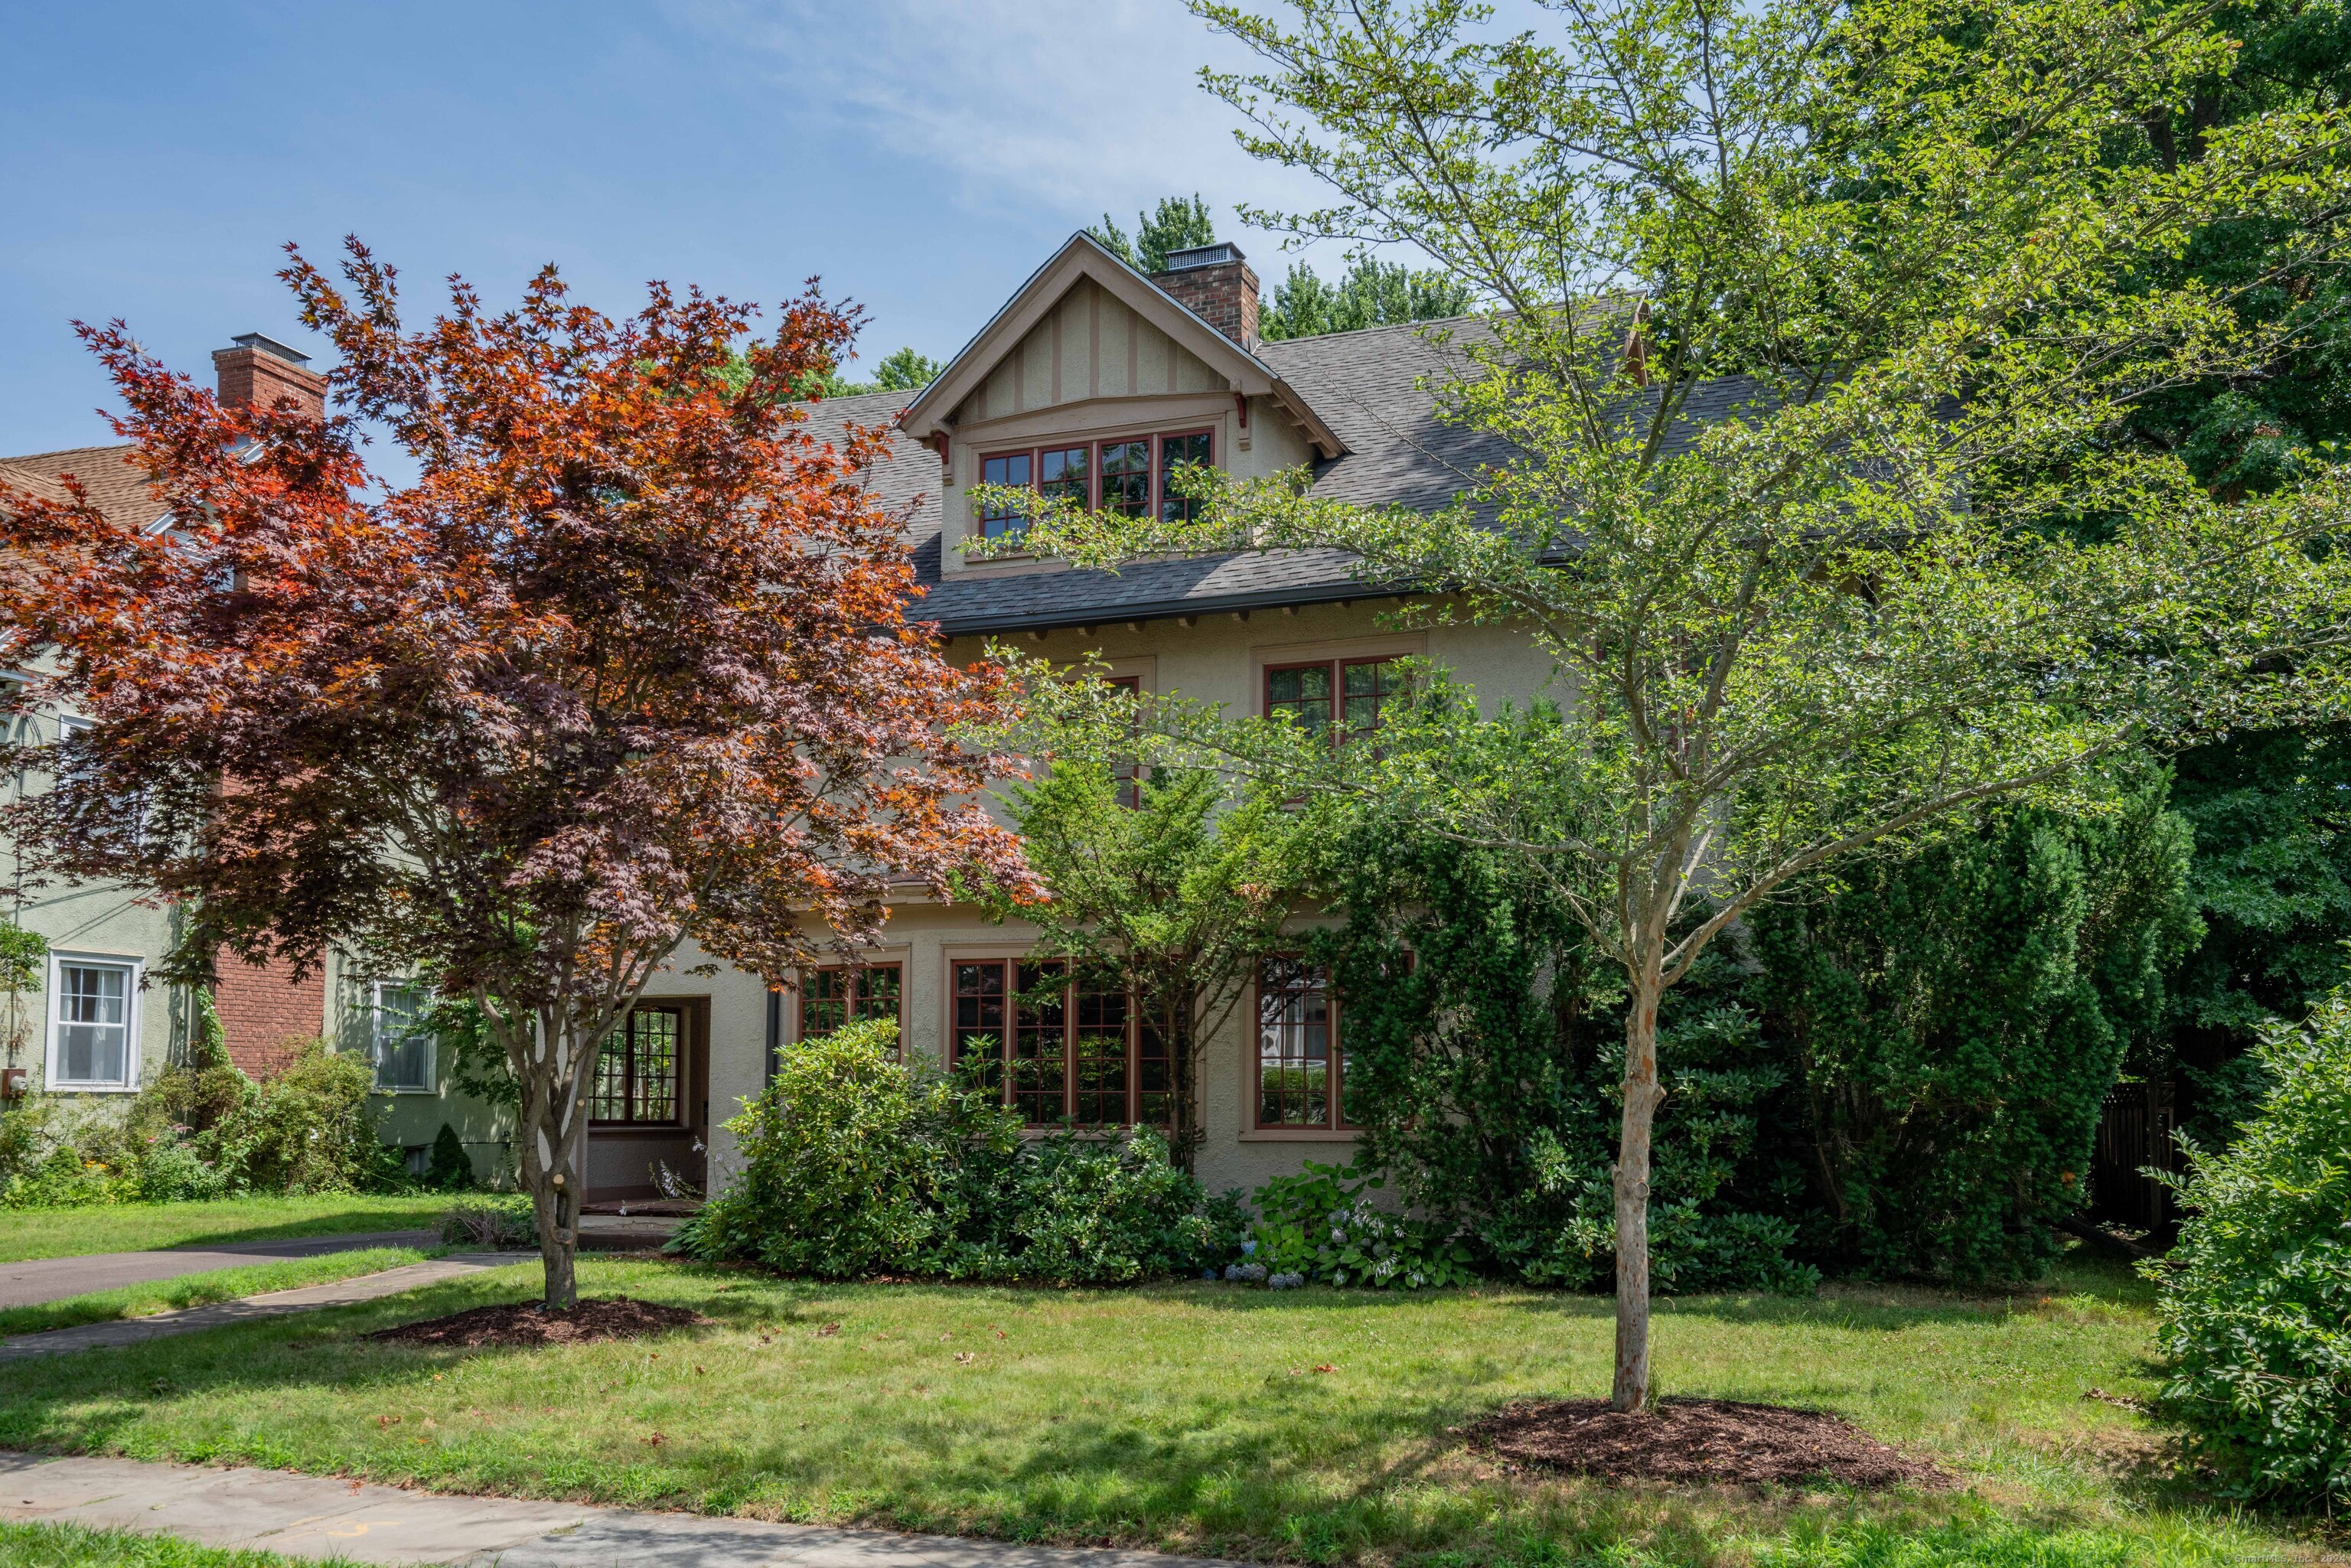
{"type": "Point", "coordinates": [256, 376]}
{"type": "Point", "coordinates": [266, 1014]}
{"type": "Point", "coordinates": [1223, 294]}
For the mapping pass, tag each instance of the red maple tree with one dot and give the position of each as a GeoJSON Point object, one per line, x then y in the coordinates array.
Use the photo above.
{"type": "Point", "coordinates": [624, 665]}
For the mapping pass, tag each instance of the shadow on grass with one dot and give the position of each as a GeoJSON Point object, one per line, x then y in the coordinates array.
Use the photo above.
{"type": "Point", "coordinates": [1272, 1465]}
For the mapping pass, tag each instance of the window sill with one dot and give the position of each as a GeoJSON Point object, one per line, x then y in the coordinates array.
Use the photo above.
{"type": "Point", "coordinates": [663, 1129]}
{"type": "Point", "coordinates": [56, 1087]}
{"type": "Point", "coordinates": [1298, 1135]}
{"type": "Point", "coordinates": [381, 1088]}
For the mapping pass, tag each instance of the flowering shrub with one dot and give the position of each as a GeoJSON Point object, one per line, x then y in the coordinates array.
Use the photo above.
{"type": "Point", "coordinates": [2257, 1295]}
{"type": "Point", "coordinates": [1321, 1224]}
{"type": "Point", "coordinates": [855, 1164]}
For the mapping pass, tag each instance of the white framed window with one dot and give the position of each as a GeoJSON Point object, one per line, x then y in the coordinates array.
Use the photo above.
{"type": "Point", "coordinates": [93, 1022]}
{"type": "Point", "coordinates": [397, 1040]}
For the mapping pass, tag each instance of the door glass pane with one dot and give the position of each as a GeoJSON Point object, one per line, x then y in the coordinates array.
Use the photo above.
{"type": "Point", "coordinates": [654, 1076]}
{"type": "Point", "coordinates": [1304, 692]}
{"type": "Point", "coordinates": [93, 1023]}
{"type": "Point", "coordinates": [1293, 1045]}
{"type": "Point", "coordinates": [1126, 478]}
{"type": "Point", "coordinates": [1178, 451]}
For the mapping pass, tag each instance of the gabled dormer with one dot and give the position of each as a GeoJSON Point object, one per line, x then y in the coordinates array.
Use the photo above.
{"type": "Point", "coordinates": [1094, 381]}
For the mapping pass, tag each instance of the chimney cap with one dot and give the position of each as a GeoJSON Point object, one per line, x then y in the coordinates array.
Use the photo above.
{"type": "Point", "coordinates": [265, 344]}
{"type": "Point", "coordinates": [1203, 256]}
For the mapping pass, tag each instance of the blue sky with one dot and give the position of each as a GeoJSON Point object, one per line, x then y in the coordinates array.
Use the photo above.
{"type": "Point", "coordinates": [921, 158]}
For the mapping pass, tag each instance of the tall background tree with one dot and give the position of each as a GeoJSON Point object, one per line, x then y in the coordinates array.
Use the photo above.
{"type": "Point", "coordinates": [1884, 248]}
{"type": "Point", "coordinates": [623, 667]}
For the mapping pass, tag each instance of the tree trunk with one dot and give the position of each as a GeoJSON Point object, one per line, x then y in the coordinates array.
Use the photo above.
{"type": "Point", "coordinates": [1184, 1074]}
{"type": "Point", "coordinates": [553, 1132]}
{"type": "Point", "coordinates": [1642, 1094]}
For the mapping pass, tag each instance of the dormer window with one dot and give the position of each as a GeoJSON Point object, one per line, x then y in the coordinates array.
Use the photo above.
{"type": "Point", "coordinates": [1129, 476]}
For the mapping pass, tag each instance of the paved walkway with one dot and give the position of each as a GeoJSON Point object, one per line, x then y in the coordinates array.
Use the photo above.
{"type": "Point", "coordinates": [342, 1293]}
{"type": "Point", "coordinates": [312, 1516]}
{"type": "Point", "coordinates": [39, 1280]}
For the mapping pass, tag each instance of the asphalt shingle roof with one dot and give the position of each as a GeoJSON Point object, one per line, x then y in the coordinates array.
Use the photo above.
{"type": "Point", "coordinates": [116, 483]}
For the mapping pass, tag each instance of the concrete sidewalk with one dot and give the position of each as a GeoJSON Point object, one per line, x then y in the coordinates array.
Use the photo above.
{"type": "Point", "coordinates": [275, 1303]}
{"type": "Point", "coordinates": [310, 1516]}
{"type": "Point", "coordinates": [39, 1280]}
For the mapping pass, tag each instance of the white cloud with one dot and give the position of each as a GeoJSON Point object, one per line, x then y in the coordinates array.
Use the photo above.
{"type": "Point", "coordinates": [1059, 108]}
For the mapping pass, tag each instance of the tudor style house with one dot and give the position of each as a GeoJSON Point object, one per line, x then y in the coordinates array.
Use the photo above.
{"type": "Point", "coordinates": [1094, 381]}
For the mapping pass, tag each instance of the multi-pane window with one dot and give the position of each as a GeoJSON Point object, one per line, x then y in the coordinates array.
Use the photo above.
{"type": "Point", "coordinates": [832, 998]}
{"type": "Point", "coordinates": [1129, 476]}
{"type": "Point", "coordinates": [1353, 692]}
{"type": "Point", "coordinates": [398, 1041]}
{"type": "Point", "coordinates": [637, 1072]}
{"type": "Point", "coordinates": [1126, 478]}
{"type": "Point", "coordinates": [90, 1024]}
{"type": "Point", "coordinates": [1013, 470]}
{"type": "Point", "coordinates": [1179, 452]}
{"type": "Point", "coordinates": [1301, 1069]}
{"type": "Point", "coordinates": [1053, 1050]}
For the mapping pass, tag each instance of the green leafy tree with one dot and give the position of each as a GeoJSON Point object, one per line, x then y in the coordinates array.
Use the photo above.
{"type": "Point", "coordinates": [904, 371]}
{"type": "Point", "coordinates": [24, 961]}
{"type": "Point", "coordinates": [1884, 245]}
{"type": "Point", "coordinates": [1165, 890]}
{"type": "Point", "coordinates": [2271, 810]}
{"type": "Point", "coordinates": [1953, 1022]}
{"type": "Point", "coordinates": [1371, 293]}
{"type": "Point", "coordinates": [1177, 223]}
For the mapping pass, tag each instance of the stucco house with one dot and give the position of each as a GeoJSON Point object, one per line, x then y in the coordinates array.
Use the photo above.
{"type": "Point", "coordinates": [1095, 379]}
{"type": "Point", "coordinates": [1092, 380]}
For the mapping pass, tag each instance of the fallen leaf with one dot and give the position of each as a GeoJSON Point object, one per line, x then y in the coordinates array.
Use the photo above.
{"type": "Point", "coordinates": [387, 1420]}
{"type": "Point", "coordinates": [964, 1358]}
{"type": "Point", "coordinates": [944, 1337]}
{"type": "Point", "coordinates": [1326, 1366]}
{"type": "Point", "coordinates": [656, 1441]}
{"type": "Point", "coordinates": [1000, 1334]}
{"type": "Point", "coordinates": [827, 1330]}
{"type": "Point", "coordinates": [698, 1371]}
{"type": "Point", "coordinates": [765, 1339]}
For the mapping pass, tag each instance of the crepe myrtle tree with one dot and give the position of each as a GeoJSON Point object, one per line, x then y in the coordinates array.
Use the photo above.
{"type": "Point", "coordinates": [1891, 248]}
{"type": "Point", "coordinates": [620, 663]}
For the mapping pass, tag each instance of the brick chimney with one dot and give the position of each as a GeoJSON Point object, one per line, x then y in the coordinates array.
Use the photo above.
{"type": "Point", "coordinates": [260, 371]}
{"type": "Point", "coordinates": [1215, 282]}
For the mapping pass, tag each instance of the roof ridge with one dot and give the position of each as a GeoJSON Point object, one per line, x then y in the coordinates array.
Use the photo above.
{"type": "Point", "coordinates": [69, 451]}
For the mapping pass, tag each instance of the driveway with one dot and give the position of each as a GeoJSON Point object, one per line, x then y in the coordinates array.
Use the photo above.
{"type": "Point", "coordinates": [30, 1283]}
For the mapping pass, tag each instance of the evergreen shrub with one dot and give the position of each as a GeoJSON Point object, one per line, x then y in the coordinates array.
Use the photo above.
{"type": "Point", "coordinates": [2256, 1305]}
{"type": "Point", "coordinates": [855, 1164]}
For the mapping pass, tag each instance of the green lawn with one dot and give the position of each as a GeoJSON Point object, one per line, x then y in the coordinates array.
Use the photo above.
{"type": "Point", "coordinates": [140, 1226]}
{"type": "Point", "coordinates": [71, 1546]}
{"type": "Point", "coordinates": [202, 1290]}
{"type": "Point", "coordinates": [1188, 1417]}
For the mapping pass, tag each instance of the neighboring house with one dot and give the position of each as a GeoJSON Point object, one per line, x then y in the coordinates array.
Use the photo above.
{"type": "Point", "coordinates": [1095, 379]}
{"type": "Point", "coordinates": [104, 1029]}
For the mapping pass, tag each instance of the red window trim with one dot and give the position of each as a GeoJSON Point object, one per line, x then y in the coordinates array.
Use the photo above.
{"type": "Point", "coordinates": [1338, 665]}
{"type": "Point", "coordinates": [800, 997]}
{"type": "Point", "coordinates": [1035, 452]}
{"type": "Point", "coordinates": [1335, 1120]}
{"type": "Point", "coordinates": [1009, 967]}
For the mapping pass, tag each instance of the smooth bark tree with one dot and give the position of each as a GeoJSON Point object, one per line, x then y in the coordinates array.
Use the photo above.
{"type": "Point", "coordinates": [614, 662]}
{"type": "Point", "coordinates": [1808, 324]}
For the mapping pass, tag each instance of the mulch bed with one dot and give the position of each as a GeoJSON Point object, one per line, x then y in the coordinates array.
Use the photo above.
{"type": "Point", "coordinates": [531, 1323]}
{"type": "Point", "coordinates": [1712, 1441]}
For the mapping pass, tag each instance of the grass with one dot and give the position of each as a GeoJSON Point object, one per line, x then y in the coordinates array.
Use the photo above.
{"type": "Point", "coordinates": [201, 1290]}
{"type": "Point", "coordinates": [72, 1546]}
{"type": "Point", "coordinates": [1189, 1417]}
{"type": "Point", "coordinates": [27, 1233]}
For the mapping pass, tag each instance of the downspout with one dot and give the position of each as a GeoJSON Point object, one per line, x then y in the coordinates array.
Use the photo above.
{"type": "Point", "coordinates": [775, 1033]}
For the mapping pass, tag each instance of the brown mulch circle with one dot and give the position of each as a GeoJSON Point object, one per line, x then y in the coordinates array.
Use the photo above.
{"type": "Point", "coordinates": [1714, 1441]}
{"type": "Point", "coordinates": [531, 1323]}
